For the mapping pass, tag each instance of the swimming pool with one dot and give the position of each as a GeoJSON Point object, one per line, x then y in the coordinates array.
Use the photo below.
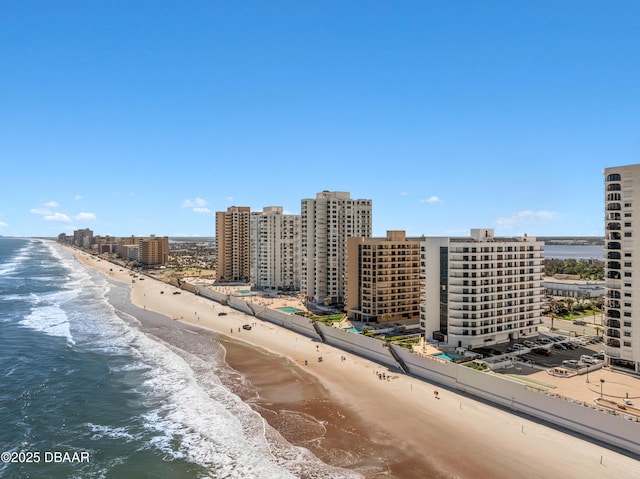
{"type": "Point", "coordinates": [289, 309]}
{"type": "Point", "coordinates": [353, 330]}
{"type": "Point", "coordinates": [447, 356]}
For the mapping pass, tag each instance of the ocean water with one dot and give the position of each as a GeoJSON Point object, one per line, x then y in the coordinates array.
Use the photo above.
{"type": "Point", "coordinates": [89, 391]}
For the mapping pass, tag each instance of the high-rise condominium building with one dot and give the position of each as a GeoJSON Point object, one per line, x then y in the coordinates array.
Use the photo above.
{"type": "Point", "coordinates": [154, 250]}
{"type": "Point", "coordinates": [383, 278]}
{"type": "Point", "coordinates": [147, 250]}
{"type": "Point", "coordinates": [232, 237]}
{"type": "Point", "coordinates": [327, 222]}
{"type": "Point", "coordinates": [83, 238]}
{"type": "Point", "coordinates": [622, 273]}
{"type": "Point", "coordinates": [481, 290]}
{"type": "Point", "coordinates": [275, 249]}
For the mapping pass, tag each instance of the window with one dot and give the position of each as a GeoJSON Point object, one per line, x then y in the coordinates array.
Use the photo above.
{"type": "Point", "coordinates": [627, 324]}
{"type": "Point", "coordinates": [627, 205]}
{"type": "Point", "coordinates": [627, 234]}
{"type": "Point", "coordinates": [627, 264]}
{"type": "Point", "coordinates": [627, 344]}
{"type": "Point", "coordinates": [627, 334]}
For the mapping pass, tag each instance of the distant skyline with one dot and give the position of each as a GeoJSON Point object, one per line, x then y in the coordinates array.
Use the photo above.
{"type": "Point", "coordinates": [147, 118]}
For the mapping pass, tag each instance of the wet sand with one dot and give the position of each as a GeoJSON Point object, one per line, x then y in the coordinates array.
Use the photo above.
{"type": "Point", "coordinates": [303, 411]}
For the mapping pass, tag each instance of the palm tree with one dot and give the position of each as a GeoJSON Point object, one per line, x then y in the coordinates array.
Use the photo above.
{"type": "Point", "coordinates": [570, 302]}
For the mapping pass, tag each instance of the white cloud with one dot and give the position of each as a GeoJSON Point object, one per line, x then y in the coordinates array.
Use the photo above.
{"type": "Point", "coordinates": [404, 193]}
{"type": "Point", "coordinates": [196, 203]}
{"type": "Point", "coordinates": [229, 199]}
{"type": "Point", "coordinates": [433, 199]}
{"type": "Point", "coordinates": [57, 217]}
{"type": "Point", "coordinates": [51, 204]}
{"type": "Point", "coordinates": [78, 197]}
{"type": "Point", "coordinates": [526, 217]}
{"type": "Point", "coordinates": [85, 217]}
{"type": "Point", "coordinates": [3, 224]}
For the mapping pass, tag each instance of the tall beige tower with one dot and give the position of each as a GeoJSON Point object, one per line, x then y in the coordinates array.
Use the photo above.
{"type": "Point", "coordinates": [232, 237]}
{"type": "Point", "coordinates": [383, 278]}
{"type": "Point", "coordinates": [327, 222]}
{"type": "Point", "coordinates": [622, 272]}
{"type": "Point", "coordinates": [154, 250]}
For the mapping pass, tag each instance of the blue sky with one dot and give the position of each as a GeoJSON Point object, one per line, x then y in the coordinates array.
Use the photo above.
{"type": "Point", "coordinates": [147, 117]}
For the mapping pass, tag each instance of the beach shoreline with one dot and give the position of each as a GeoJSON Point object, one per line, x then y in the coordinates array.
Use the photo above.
{"type": "Point", "coordinates": [428, 432]}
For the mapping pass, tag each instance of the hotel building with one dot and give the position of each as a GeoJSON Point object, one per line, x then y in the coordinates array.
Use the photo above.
{"type": "Point", "coordinates": [154, 251]}
{"type": "Point", "coordinates": [383, 279]}
{"type": "Point", "coordinates": [232, 238]}
{"type": "Point", "coordinates": [481, 290]}
{"type": "Point", "coordinates": [148, 251]}
{"type": "Point", "coordinates": [327, 222]}
{"type": "Point", "coordinates": [275, 250]}
{"type": "Point", "coordinates": [622, 274]}
{"type": "Point", "coordinates": [83, 238]}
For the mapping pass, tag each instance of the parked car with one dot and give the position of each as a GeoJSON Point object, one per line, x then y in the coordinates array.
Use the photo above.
{"type": "Point", "coordinates": [222, 314]}
{"type": "Point", "coordinates": [518, 346]}
{"type": "Point", "coordinates": [542, 351]}
{"type": "Point", "coordinates": [559, 346]}
{"type": "Point", "coordinates": [246, 326]}
{"type": "Point", "coordinates": [529, 344]}
{"type": "Point", "coordinates": [579, 322]}
{"type": "Point", "coordinates": [588, 359]}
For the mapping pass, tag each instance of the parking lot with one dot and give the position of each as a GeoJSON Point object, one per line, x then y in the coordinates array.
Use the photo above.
{"type": "Point", "coordinates": [550, 350]}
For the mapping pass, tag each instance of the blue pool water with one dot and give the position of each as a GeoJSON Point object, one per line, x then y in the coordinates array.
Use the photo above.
{"type": "Point", "coordinates": [353, 330]}
{"type": "Point", "coordinates": [447, 356]}
{"type": "Point", "coordinates": [289, 309]}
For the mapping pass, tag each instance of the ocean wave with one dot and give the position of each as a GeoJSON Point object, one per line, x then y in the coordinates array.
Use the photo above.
{"type": "Point", "coordinates": [184, 411]}
{"type": "Point", "coordinates": [50, 320]}
{"type": "Point", "coordinates": [104, 431]}
{"type": "Point", "coordinates": [18, 258]}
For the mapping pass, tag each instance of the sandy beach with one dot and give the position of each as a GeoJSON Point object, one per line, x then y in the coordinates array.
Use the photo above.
{"type": "Point", "coordinates": [396, 423]}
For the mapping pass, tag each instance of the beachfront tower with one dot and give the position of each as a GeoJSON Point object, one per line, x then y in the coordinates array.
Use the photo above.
{"type": "Point", "coordinates": [383, 279]}
{"type": "Point", "coordinates": [83, 238]}
{"type": "Point", "coordinates": [327, 222]}
{"type": "Point", "coordinates": [622, 273]}
{"type": "Point", "coordinates": [154, 250]}
{"type": "Point", "coordinates": [275, 250]}
{"type": "Point", "coordinates": [481, 290]}
{"type": "Point", "coordinates": [232, 237]}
